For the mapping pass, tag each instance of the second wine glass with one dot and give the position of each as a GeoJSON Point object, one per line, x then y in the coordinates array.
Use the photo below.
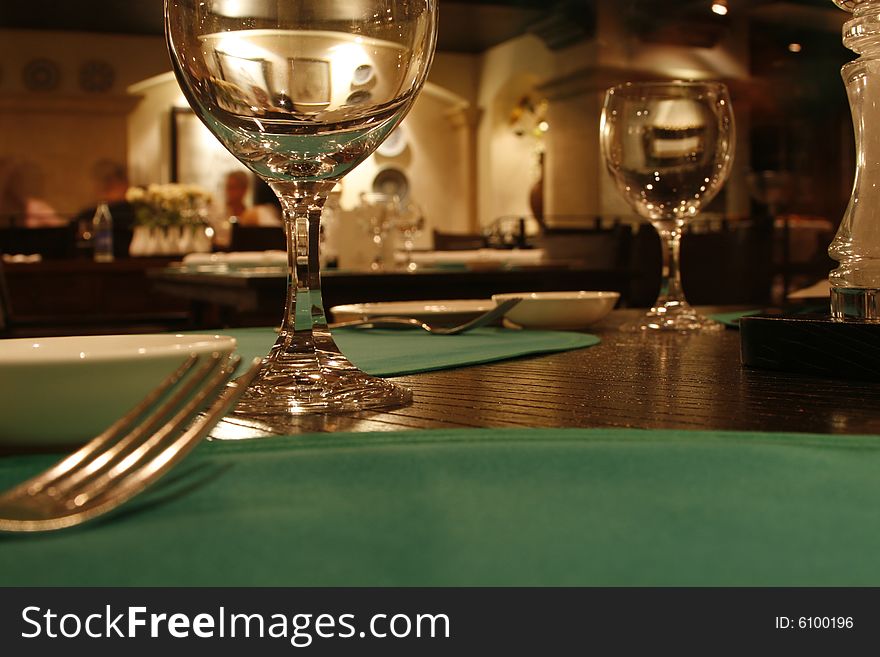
{"type": "Point", "coordinates": [669, 147]}
{"type": "Point", "coordinates": [301, 92]}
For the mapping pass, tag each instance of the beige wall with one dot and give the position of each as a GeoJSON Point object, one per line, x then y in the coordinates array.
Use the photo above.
{"type": "Point", "coordinates": [60, 134]}
{"type": "Point", "coordinates": [508, 165]}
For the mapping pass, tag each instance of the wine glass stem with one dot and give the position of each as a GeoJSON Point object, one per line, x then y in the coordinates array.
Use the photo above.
{"type": "Point", "coordinates": [671, 292]}
{"type": "Point", "coordinates": [302, 203]}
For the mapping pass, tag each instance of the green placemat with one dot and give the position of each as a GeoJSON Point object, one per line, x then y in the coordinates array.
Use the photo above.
{"type": "Point", "coordinates": [390, 352]}
{"type": "Point", "coordinates": [485, 507]}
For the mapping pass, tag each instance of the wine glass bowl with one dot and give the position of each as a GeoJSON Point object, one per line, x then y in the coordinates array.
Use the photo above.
{"type": "Point", "coordinates": [669, 148]}
{"type": "Point", "coordinates": [301, 92]}
{"type": "Point", "coordinates": [377, 213]}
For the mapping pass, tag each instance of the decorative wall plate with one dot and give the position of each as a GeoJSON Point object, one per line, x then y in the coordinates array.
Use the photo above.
{"type": "Point", "coordinates": [394, 144]}
{"type": "Point", "coordinates": [363, 75]}
{"type": "Point", "coordinates": [41, 74]}
{"type": "Point", "coordinates": [96, 76]}
{"type": "Point", "coordinates": [391, 181]}
{"type": "Point", "coordinates": [358, 98]}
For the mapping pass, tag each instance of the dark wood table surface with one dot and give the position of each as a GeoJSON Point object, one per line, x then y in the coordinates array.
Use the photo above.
{"type": "Point", "coordinates": [653, 381]}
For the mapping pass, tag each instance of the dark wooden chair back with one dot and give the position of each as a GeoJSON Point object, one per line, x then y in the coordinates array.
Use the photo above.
{"type": "Point", "coordinates": [4, 302]}
{"type": "Point", "coordinates": [51, 243]}
{"type": "Point", "coordinates": [458, 241]}
{"type": "Point", "coordinates": [592, 248]}
{"type": "Point", "coordinates": [729, 265]}
{"type": "Point", "coordinates": [257, 238]}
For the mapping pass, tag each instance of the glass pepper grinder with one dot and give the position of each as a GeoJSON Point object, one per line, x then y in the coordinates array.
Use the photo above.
{"type": "Point", "coordinates": [855, 284]}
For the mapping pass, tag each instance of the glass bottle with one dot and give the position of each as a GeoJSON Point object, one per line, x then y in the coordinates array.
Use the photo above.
{"type": "Point", "coordinates": [102, 231]}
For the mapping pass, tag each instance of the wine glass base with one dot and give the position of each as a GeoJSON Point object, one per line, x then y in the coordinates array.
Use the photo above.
{"type": "Point", "coordinates": [307, 374]}
{"type": "Point", "coordinates": [350, 393]}
{"type": "Point", "coordinates": [673, 317]}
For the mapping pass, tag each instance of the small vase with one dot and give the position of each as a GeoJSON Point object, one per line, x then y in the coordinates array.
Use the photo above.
{"type": "Point", "coordinates": [201, 240]}
{"type": "Point", "coordinates": [186, 243]}
{"type": "Point", "coordinates": [169, 238]}
{"type": "Point", "coordinates": [141, 242]}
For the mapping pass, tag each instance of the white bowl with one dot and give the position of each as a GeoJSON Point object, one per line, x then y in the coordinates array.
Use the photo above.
{"type": "Point", "coordinates": [63, 391]}
{"type": "Point", "coordinates": [448, 312]}
{"type": "Point", "coordinates": [558, 310]}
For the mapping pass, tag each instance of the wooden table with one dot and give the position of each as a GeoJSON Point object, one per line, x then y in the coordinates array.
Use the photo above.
{"type": "Point", "coordinates": [257, 299]}
{"type": "Point", "coordinates": [653, 381]}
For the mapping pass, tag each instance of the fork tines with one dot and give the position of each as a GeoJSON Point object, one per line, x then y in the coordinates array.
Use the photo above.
{"type": "Point", "coordinates": [132, 453]}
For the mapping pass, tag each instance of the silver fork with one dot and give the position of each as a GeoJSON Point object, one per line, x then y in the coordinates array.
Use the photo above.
{"type": "Point", "coordinates": [133, 453]}
{"type": "Point", "coordinates": [412, 322]}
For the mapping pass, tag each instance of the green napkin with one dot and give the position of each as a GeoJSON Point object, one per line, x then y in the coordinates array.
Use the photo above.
{"type": "Point", "coordinates": [484, 507]}
{"type": "Point", "coordinates": [390, 352]}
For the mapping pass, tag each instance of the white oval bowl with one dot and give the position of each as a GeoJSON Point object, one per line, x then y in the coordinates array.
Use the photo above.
{"type": "Point", "coordinates": [448, 312]}
{"type": "Point", "coordinates": [558, 310]}
{"type": "Point", "coordinates": [63, 391]}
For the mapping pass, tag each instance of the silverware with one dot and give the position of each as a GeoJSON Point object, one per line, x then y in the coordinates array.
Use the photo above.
{"type": "Point", "coordinates": [411, 322]}
{"type": "Point", "coordinates": [131, 454]}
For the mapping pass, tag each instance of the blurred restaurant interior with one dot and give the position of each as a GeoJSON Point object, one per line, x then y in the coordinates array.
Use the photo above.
{"type": "Point", "coordinates": [497, 172]}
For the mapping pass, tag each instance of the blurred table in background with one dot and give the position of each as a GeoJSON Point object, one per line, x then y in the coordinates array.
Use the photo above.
{"type": "Point", "coordinates": [253, 298]}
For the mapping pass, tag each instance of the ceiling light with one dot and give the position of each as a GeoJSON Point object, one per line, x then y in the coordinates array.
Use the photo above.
{"type": "Point", "coordinates": [720, 7]}
{"type": "Point", "coordinates": [794, 47]}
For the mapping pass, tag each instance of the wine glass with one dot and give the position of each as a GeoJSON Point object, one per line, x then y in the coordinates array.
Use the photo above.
{"type": "Point", "coordinates": [377, 212]}
{"type": "Point", "coordinates": [409, 222]}
{"type": "Point", "coordinates": [669, 147]}
{"type": "Point", "coordinates": [280, 84]}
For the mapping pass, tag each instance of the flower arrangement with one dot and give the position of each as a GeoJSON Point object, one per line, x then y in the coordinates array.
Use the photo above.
{"type": "Point", "coordinates": [170, 204]}
{"type": "Point", "coordinates": [170, 219]}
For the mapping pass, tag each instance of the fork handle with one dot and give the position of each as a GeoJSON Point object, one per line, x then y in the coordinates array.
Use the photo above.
{"type": "Point", "coordinates": [380, 322]}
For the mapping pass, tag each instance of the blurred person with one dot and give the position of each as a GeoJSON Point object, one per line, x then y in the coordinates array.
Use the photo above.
{"type": "Point", "coordinates": [110, 185]}
{"type": "Point", "coordinates": [235, 189]}
{"type": "Point", "coordinates": [19, 205]}
{"type": "Point", "coordinates": [266, 210]}
{"type": "Point", "coordinates": [238, 184]}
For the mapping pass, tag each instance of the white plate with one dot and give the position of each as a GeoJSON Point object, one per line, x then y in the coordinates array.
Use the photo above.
{"type": "Point", "coordinates": [64, 391]}
{"type": "Point", "coordinates": [558, 310]}
{"type": "Point", "coordinates": [441, 313]}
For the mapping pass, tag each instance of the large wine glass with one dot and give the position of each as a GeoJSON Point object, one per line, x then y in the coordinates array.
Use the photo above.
{"type": "Point", "coordinates": [301, 92]}
{"type": "Point", "coordinates": [669, 147]}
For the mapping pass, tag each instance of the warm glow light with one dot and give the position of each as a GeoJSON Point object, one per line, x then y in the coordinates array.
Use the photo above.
{"type": "Point", "coordinates": [794, 47]}
{"type": "Point", "coordinates": [720, 8]}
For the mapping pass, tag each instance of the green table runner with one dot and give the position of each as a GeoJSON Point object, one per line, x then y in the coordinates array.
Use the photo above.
{"type": "Point", "coordinates": [484, 507]}
{"type": "Point", "coordinates": [390, 352]}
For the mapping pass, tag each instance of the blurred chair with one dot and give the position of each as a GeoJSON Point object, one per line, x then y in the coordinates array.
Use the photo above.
{"type": "Point", "coordinates": [728, 264]}
{"type": "Point", "coordinates": [458, 241]}
{"type": "Point", "coordinates": [593, 248]}
{"type": "Point", "coordinates": [51, 243]}
{"type": "Point", "coordinates": [257, 238]}
{"type": "Point", "coordinates": [4, 303]}
{"type": "Point", "coordinates": [76, 298]}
